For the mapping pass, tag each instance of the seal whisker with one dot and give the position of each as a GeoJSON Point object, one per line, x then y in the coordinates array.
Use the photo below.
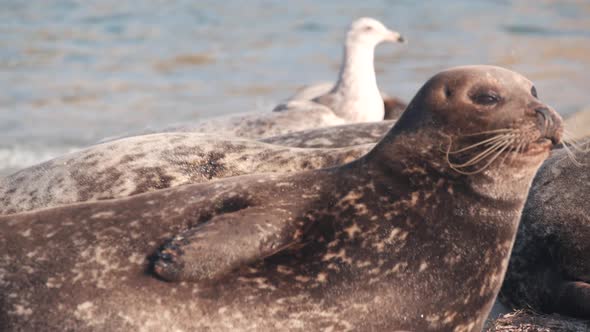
{"type": "Point", "coordinates": [484, 153]}
{"type": "Point", "coordinates": [510, 156]}
{"type": "Point", "coordinates": [504, 147]}
{"type": "Point", "coordinates": [495, 131]}
{"type": "Point", "coordinates": [574, 143]}
{"type": "Point", "coordinates": [572, 155]}
{"type": "Point", "coordinates": [520, 147]}
{"type": "Point", "coordinates": [489, 140]}
{"type": "Point", "coordinates": [481, 156]}
{"type": "Point", "coordinates": [517, 151]}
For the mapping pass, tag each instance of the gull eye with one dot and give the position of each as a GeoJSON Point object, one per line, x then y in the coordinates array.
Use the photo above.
{"type": "Point", "coordinates": [534, 92]}
{"type": "Point", "coordinates": [368, 28]}
{"type": "Point", "coordinates": [486, 98]}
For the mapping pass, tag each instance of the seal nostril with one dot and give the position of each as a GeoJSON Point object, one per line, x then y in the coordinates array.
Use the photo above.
{"type": "Point", "coordinates": [543, 112]}
{"type": "Point", "coordinates": [545, 115]}
{"type": "Point", "coordinates": [547, 124]}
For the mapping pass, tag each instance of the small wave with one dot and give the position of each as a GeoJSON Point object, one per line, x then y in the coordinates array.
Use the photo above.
{"type": "Point", "coordinates": [14, 158]}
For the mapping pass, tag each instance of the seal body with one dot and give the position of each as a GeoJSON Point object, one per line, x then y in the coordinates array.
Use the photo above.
{"type": "Point", "coordinates": [140, 164]}
{"type": "Point", "coordinates": [355, 247]}
{"type": "Point", "coordinates": [334, 137]}
{"type": "Point", "coordinates": [294, 116]}
{"type": "Point", "coordinates": [550, 265]}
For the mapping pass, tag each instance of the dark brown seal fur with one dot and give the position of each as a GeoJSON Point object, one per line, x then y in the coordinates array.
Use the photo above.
{"type": "Point", "coordinates": [550, 265]}
{"type": "Point", "coordinates": [395, 240]}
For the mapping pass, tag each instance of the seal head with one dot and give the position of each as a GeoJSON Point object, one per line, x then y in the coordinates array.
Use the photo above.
{"type": "Point", "coordinates": [478, 108]}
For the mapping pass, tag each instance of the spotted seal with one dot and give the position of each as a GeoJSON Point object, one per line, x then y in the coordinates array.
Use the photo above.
{"type": "Point", "coordinates": [334, 137]}
{"type": "Point", "coordinates": [435, 205]}
{"type": "Point", "coordinates": [550, 265]}
{"type": "Point", "coordinates": [145, 163]}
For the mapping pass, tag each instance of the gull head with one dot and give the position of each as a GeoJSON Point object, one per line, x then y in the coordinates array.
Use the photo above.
{"type": "Point", "coordinates": [369, 32]}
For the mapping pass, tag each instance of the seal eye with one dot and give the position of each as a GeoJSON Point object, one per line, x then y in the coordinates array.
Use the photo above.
{"type": "Point", "coordinates": [534, 92]}
{"type": "Point", "coordinates": [486, 98]}
{"type": "Point", "coordinates": [448, 92]}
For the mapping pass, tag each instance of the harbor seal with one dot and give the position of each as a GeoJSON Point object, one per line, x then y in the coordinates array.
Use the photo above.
{"type": "Point", "coordinates": [358, 246]}
{"type": "Point", "coordinates": [550, 266]}
{"type": "Point", "coordinates": [334, 137]}
{"type": "Point", "coordinates": [140, 164]}
{"type": "Point", "coordinates": [355, 96]}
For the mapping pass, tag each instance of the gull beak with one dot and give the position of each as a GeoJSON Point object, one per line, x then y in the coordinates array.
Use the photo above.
{"type": "Point", "coordinates": [396, 37]}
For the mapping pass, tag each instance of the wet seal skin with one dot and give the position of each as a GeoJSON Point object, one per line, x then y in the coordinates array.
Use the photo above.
{"type": "Point", "coordinates": [146, 163]}
{"type": "Point", "coordinates": [415, 235]}
{"type": "Point", "coordinates": [550, 266]}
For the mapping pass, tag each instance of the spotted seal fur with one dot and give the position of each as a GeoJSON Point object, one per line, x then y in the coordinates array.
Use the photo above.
{"type": "Point", "coordinates": [550, 266]}
{"type": "Point", "coordinates": [140, 164]}
{"type": "Point", "coordinates": [359, 246]}
{"type": "Point", "coordinates": [334, 137]}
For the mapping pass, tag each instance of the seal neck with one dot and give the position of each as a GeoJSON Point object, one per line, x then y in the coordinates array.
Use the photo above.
{"type": "Point", "coordinates": [359, 97]}
{"type": "Point", "coordinates": [419, 154]}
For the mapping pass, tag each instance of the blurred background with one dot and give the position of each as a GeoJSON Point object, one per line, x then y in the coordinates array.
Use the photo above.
{"type": "Point", "coordinates": [74, 72]}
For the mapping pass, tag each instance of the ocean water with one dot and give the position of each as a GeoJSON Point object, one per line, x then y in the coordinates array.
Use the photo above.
{"type": "Point", "coordinates": [74, 72]}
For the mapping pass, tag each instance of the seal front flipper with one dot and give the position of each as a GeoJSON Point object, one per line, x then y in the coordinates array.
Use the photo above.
{"type": "Point", "coordinates": [573, 299]}
{"type": "Point", "coordinates": [226, 242]}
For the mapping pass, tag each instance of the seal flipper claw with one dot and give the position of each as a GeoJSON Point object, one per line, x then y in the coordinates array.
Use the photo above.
{"type": "Point", "coordinates": [224, 243]}
{"type": "Point", "coordinates": [169, 263]}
